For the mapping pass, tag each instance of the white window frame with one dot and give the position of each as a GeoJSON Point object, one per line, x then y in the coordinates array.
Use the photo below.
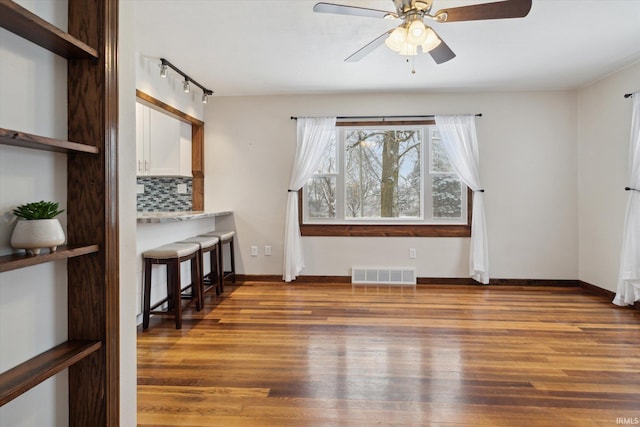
{"type": "Point", "coordinates": [426, 199]}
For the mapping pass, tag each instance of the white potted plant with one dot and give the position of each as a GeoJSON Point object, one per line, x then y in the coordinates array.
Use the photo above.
{"type": "Point", "coordinates": [37, 227]}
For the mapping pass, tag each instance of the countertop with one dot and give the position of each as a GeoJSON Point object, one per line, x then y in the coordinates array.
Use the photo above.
{"type": "Point", "coordinates": [178, 216]}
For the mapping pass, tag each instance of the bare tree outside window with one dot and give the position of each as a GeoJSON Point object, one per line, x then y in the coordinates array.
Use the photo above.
{"type": "Point", "coordinates": [321, 197]}
{"type": "Point", "coordinates": [446, 188]}
{"type": "Point", "coordinates": [380, 165]}
{"type": "Point", "coordinates": [385, 172]}
{"type": "Point", "coordinates": [321, 189]}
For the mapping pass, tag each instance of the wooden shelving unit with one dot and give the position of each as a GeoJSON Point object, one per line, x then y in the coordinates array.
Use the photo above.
{"type": "Point", "coordinates": [29, 374]}
{"type": "Point", "coordinates": [22, 260]}
{"type": "Point", "coordinates": [27, 140]}
{"type": "Point", "coordinates": [20, 21]}
{"type": "Point", "coordinates": [91, 352]}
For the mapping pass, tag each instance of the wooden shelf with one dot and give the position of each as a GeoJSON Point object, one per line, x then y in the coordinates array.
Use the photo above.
{"type": "Point", "coordinates": [16, 261]}
{"type": "Point", "coordinates": [29, 374]}
{"type": "Point", "coordinates": [27, 140]}
{"type": "Point", "coordinates": [30, 26]}
{"type": "Point", "coordinates": [91, 353]}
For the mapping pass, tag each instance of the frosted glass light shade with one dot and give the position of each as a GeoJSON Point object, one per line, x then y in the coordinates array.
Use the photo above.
{"type": "Point", "coordinates": [417, 33]}
{"type": "Point", "coordinates": [431, 41]}
{"type": "Point", "coordinates": [409, 50]}
{"type": "Point", "coordinates": [396, 39]}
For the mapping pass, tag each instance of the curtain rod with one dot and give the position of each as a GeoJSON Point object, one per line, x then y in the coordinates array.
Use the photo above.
{"type": "Point", "coordinates": [430, 116]}
{"type": "Point", "coordinates": [628, 95]}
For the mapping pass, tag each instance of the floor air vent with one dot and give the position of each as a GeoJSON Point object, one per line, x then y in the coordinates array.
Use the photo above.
{"type": "Point", "coordinates": [387, 276]}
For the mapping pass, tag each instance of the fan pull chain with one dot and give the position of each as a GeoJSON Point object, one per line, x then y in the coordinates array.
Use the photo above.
{"type": "Point", "coordinates": [413, 64]}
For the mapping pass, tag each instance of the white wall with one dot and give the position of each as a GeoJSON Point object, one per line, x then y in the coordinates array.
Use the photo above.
{"type": "Point", "coordinates": [127, 216]}
{"type": "Point", "coordinates": [33, 300]}
{"type": "Point", "coordinates": [604, 134]}
{"type": "Point", "coordinates": [528, 150]}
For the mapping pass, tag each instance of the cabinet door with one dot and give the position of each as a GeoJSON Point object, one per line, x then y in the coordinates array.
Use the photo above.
{"type": "Point", "coordinates": [164, 148]}
{"type": "Point", "coordinates": [185, 149]}
{"type": "Point", "coordinates": [142, 140]}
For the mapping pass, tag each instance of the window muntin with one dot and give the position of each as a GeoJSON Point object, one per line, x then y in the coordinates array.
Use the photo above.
{"type": "Point", "coordinates": [385, 174]}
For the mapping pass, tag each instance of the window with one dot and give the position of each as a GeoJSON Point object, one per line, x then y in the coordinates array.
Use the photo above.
{"type": "Point", "coordinates": [385, 178]}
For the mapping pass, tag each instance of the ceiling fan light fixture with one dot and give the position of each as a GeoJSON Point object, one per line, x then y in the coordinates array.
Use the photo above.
{"type": "Point", "coordinates": [397, 39]}
{"type": "Point", "coordinates": [422, 5]}
{"type": "Point", "coordinates": [405, 41]}
{"type": "Point", "coordinates": [431, 41]}
{"type": "Point", "coordinates": [417, 32]}
{"type": "Point", "coordinates": [409, 49]}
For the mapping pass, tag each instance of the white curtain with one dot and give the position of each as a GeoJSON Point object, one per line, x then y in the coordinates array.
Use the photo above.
{"type": "Point", "coordinates": [460, 141]}
{"type": "Point", "coordinates": [629, 279]}
{"type": "Point", "coordinates": [314, 134]}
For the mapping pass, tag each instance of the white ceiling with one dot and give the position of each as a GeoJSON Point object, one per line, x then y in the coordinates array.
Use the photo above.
{"type": "Point", "coordinates": [264, 47]}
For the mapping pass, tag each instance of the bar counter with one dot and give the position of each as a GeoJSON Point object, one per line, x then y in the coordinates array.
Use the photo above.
{"type": "Point", "coordinates": [159, 217]}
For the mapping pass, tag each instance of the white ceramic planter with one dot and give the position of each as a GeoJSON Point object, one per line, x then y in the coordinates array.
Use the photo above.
{"type": "Point", "coordinates": [36, 234]}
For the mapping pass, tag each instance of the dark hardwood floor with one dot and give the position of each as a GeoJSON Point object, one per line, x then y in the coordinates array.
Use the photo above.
{"type": "Point", "coordinates": [275, 354]}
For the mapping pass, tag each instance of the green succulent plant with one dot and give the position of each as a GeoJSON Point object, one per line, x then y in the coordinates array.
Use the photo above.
{"type": "Point", "coordinates": [38, 210]}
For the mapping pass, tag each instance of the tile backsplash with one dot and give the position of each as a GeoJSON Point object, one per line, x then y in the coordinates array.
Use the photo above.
{"type": "Point", "coordinates": [161, 194]}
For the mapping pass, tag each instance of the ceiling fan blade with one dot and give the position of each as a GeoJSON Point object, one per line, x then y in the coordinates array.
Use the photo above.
{"type": "Point", "coordinates": [442, 53]}
{"type": "Point", "coordinates": [351, 10]}
{"type": "Point", "coordinates": [495, 10]}
{"type": "Point", "coordinates": [366, 50]}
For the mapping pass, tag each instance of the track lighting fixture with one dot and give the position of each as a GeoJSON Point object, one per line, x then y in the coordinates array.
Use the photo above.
{"type": "Point", "coordinates": [186, 85]}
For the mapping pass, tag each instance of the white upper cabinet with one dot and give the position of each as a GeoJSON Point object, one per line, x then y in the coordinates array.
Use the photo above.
{"type": "Point", "coordinates": [163, 143]}
{"type": "Point", "coordinates": [142, 137]}
{"type": "Point", "coordinates": [163, 153]}
{"type": "Point", "coordinates": [186, 142]}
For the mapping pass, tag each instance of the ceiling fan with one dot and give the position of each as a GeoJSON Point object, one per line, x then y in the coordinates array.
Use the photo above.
{"type": "Point", "coordinates": [414, 34]}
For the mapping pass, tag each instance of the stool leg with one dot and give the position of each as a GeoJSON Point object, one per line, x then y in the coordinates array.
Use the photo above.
{"type": "Point", "coordinates": [177, 292]}
{"type": "Point", "coordinates": [146, 309]}
{"type": "Point", "coordinates": [197, 283]}
{"type": "Point", "coordinates": [171, 278]}
{"type": "Point", "coordinates": [233, 261]}
{"type": "Point", "coordinates": [221, 266]}
{"type": "Point", "coordinates": [215, 269]}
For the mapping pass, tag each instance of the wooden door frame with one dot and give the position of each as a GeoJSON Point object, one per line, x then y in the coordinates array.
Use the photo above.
{"type": "Point", "coordinates": [197, 145]}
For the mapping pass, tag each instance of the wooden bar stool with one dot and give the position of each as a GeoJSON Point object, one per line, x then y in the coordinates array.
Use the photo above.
{"type": "Point", "coordinates": [172, 255]}
{"type": "Point", "coordinates": [208, 244]}
{"type": "Point", "coordinates": [226, 238]}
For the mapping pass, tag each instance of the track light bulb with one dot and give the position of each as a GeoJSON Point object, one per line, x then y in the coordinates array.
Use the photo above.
{"type": "Point", "coordinates": [185, 86]}
{"type": "Point", "coordinates": [204, 98]}
{"type": "Point", "coordinates": [163, 71]}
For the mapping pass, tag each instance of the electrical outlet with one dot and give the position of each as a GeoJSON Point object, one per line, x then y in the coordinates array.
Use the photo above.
{"type": "Point", "coordinates": [254, 251]}
{"type": "Point", "coordinates": [412, 253]}
{"type": "Point", "coordinates": [139, 188]}
{"type": "Point", "coordinates": [182, 188]}
{"type": "Point", "coordinates": [267, 250]}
